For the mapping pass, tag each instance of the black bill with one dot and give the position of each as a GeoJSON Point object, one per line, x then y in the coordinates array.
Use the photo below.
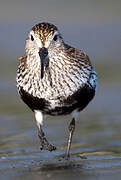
{"type": "Point", "coordinates": [43, 53]}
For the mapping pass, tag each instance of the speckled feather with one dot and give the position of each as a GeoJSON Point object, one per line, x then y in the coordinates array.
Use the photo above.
{"type": "Point", "coordinates": [74, 80]}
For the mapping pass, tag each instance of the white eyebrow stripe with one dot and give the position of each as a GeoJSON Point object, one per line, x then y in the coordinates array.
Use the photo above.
{"type": "Point", "coordinates": [47, 43]}
{"type": "Point", "coordinates": [55, 33]}
{"type": "Point", "coordinates": [38, 41]}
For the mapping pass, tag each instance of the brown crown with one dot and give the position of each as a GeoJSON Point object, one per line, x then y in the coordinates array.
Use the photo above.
{"type": "Point", "coordinates": [44, 29]}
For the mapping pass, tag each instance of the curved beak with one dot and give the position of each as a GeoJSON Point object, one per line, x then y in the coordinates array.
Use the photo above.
{"type": "Point", "coordinates": [43, 53]}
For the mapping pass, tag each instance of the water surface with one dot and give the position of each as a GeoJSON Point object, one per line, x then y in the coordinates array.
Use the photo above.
{"type": "Point", "coordinates": [96, 147]}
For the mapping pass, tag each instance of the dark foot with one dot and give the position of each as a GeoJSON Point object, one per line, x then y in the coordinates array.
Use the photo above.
{"type": "Point", "coordinates": [45, 145]}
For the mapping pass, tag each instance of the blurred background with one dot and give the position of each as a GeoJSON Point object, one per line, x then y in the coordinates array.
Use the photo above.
{"type": "Point", "coordinates": [91, 25]}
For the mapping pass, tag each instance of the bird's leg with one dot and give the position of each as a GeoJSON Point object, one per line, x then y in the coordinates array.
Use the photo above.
{"type": "Point", "coordinates": [71, 131]}
{"type": "Point", "coordinates": [44, 143]}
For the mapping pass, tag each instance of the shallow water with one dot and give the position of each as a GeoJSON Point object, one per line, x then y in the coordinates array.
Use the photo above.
{"type": "Point", "coordinates": [96, 147]}
{"type": "Point", "coordinates": [95, 27]}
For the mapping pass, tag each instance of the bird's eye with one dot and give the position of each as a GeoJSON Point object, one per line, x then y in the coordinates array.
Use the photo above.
{"type": "Point", "coordinates": [32, 38]}
{"type": "Point", "coordinates": [55, 38]}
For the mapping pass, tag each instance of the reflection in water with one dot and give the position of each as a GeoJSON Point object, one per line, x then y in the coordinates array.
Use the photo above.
{"type": "Point", "coordinates": [97, 137]}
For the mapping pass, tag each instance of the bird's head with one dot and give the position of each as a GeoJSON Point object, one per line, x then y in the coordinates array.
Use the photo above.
{"type": "Point", "coordinates": [42, 40]}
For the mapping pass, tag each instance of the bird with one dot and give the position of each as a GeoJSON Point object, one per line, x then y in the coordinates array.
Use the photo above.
{"type": "Point", "coordinates": [53, 78]}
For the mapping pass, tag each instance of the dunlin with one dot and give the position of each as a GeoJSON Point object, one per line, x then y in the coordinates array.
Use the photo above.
{"type": "Point", "coordinates": [54, 78]}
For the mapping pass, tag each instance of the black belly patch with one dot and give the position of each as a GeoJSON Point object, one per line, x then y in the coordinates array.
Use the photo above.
{"type": "Point", "coordinates": [78, 100]}
{"type": "Point", "coordinates": [33, 102]}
